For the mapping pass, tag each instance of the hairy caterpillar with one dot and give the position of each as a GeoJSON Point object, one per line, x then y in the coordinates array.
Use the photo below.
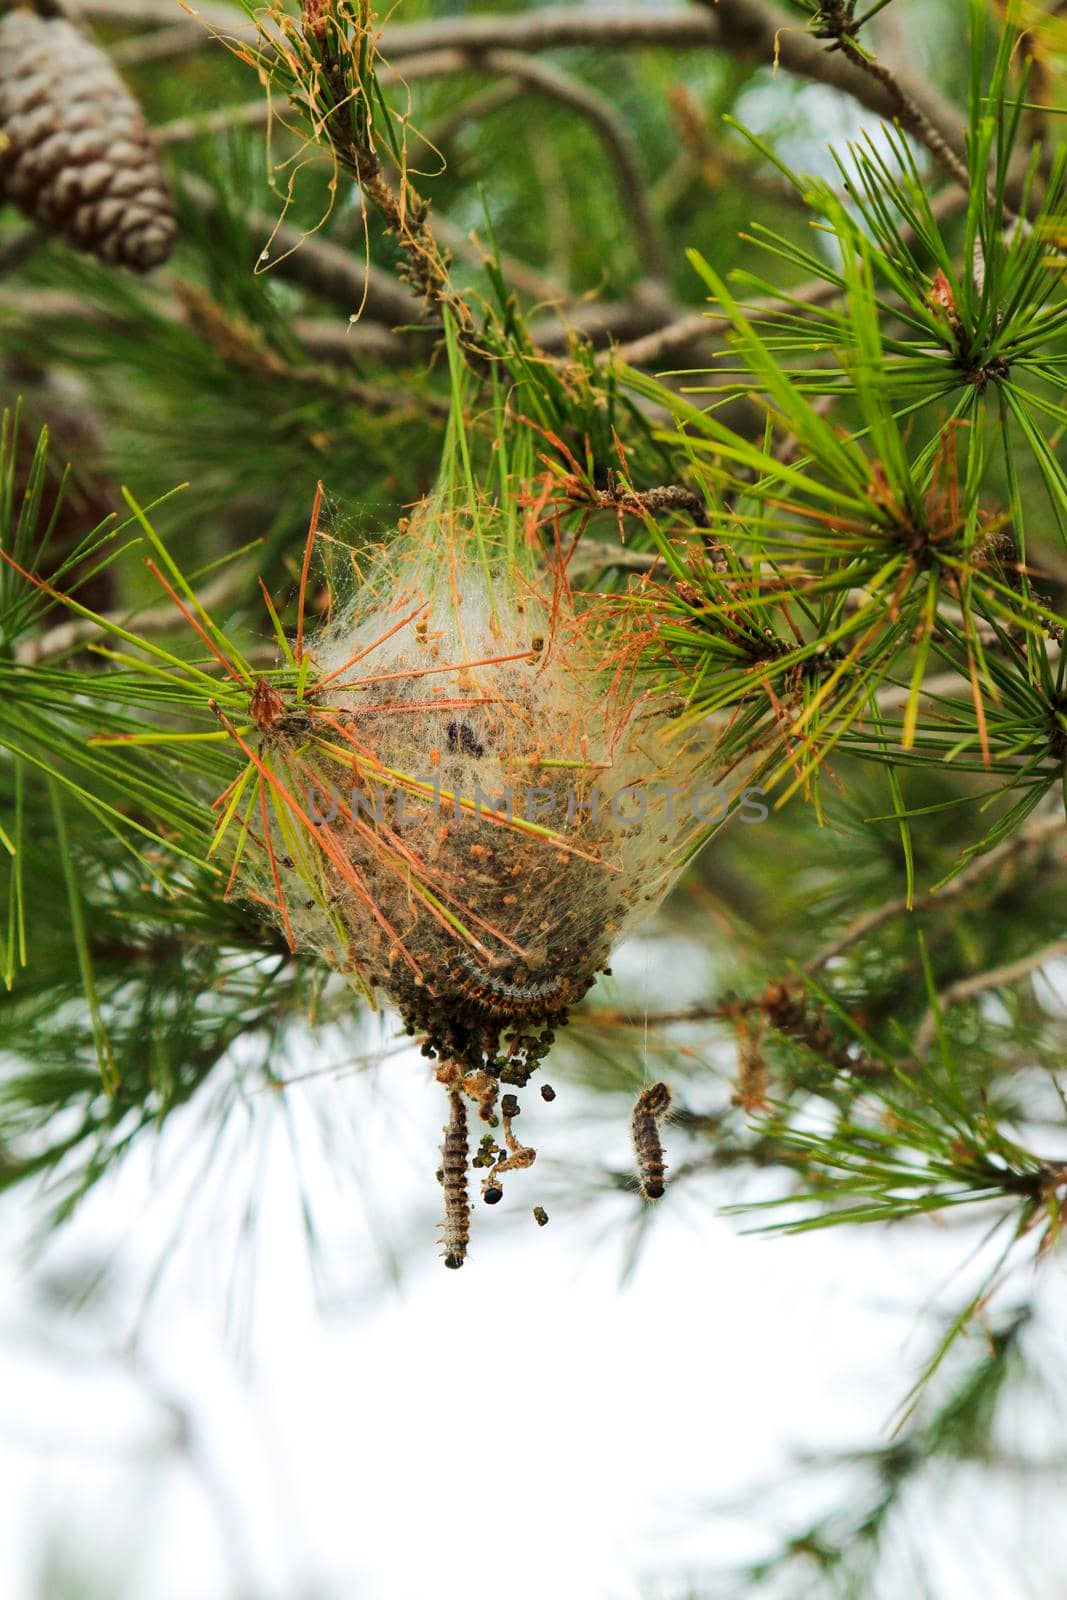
{"type": "Point", "coordinates": [455, 1229]}
{"type": "Point", "coordinates": [508, 999]}
{"type": "Point", "coordinates": [652, 1106]}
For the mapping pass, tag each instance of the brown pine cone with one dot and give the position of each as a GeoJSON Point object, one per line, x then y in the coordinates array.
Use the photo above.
{"type": "Point", "coordinates": [75, 153]}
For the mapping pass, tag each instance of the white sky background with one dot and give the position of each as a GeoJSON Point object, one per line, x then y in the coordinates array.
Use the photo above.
{"type": "Point", "coordinates": [527, 1418]}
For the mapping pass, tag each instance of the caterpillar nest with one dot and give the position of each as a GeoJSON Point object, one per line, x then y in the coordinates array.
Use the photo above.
{"type": "Point", "coordinates": [479, 803]}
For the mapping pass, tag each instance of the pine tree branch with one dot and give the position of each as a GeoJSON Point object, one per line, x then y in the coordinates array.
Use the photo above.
{"type": "Point", "coordinates": [788, 1010]}
{"type": "Point", "coordinates": [555, 28]}
{"type": "Point", "coordinates": [603, 322]}
{"type": "Point", "coordinates": [343, 343]}
{"type": "Point", "coordinates": [257, 113]}
{"type": "Point", "coordinates": [407, 214]}
{"type": "Point", "coordinates": [595, 555]}
{"type": "Point", "coordinates": [328, 71]}
{"type": "Point", "coordinates": [750, 29]}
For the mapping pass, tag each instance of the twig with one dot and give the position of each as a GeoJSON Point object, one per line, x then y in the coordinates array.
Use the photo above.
{"type": "Point", "coordinates": [342, 343]}
{"type": "Point", "coordinates": [1031, 835]}
{"type": "Point", "coordinates": [604, 322]}
{"type": "Point", "coordinates": [664, 497]}
{"type": "Point", "coordinates": [318, 265]}
{"type": "Point", "coordinates": [241, 348]}
{"type": "Point", "coordinates": [339, 344]}
{"type": "Point", "coordinates": [788, 1011]}
{"type": "Point", "coordinates": [551, 82]}
{"type": "Point", "coordinates": [982, 982]}
{"type": "Point", "coordinates": [325, 69]}
{"type": "Point", "coordinates": [757, 30]}
{"type": "Point", "coordinates": [550, 28]}
{"type": "Point", "coordinates": [698, 326]}
{"type": "Point", "coordinates": [247, 114]}
{"type": "Point", "coordinates": [785, 1007]}
{"type": "Point", "coordinates": [161, 44]}
{"type": "Point", "coordinates": [68, 636]}
{"type": "Point", "coordinates": [605, 1016]}
{"type": "Point", "coordinates": [472, 108]}
{"type": "Point", "coordinates": [693, 327]}
{"type": "Point", "coordinates": [594, 555]}
{"type": "Point", "coordinates": [914, 120]}
{"type": "Point", "coordinates": [555, 28]}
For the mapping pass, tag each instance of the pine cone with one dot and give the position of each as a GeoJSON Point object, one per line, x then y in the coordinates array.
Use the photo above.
{"type": "Point", "coordinates": [75, 153]}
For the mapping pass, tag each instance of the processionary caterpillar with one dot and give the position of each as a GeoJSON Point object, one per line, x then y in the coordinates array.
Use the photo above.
{"type": "Point", "coordinates": [652, 1106]}
{"type": "Point", "coordinates": [508, 999]}
{"type": "Point", "coordinates": [455, 1229]}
